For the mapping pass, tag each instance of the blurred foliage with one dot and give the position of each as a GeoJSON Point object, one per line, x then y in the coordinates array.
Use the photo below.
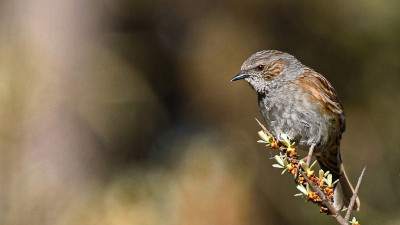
{"type": "Point", "coordinates": [121, 112]}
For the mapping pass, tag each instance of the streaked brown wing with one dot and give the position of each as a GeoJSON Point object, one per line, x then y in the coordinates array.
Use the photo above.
{"type": "Point", "coordinates": [322, 90]}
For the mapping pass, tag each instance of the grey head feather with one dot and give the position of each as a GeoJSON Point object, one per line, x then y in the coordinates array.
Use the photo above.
{"type": "Point", "coordinates": [292, 69]}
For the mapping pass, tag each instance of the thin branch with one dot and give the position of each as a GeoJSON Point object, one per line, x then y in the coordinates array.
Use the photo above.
{"type": "Point", "coordinates": [354, 197]}
{"type": "Point", "coordinates": [321, 195]}
{"type": "Point", "coordinates": [264, 129]}
{"type": "Point", "coordinates": [325, 201]}
{"type": "Point", "coordinates": [310, 153]}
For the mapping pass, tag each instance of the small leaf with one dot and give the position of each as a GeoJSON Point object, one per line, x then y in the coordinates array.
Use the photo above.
{"type": "Point", "coordinates": [285, 162]}
{"type": "Point", "coordinates": [328, 180]}
{"type": "Point", "coordinates": [304, 165]}
{"type": "Point", "coordinates": [321, 174]}
{"type": "Point", "coordinates": [279, 160]}
{"type": "Point", "coordinates": [302, 189]}
{"type": "Point", "coordinates": [285, 140]}
{"type": "Point", "coordinates": [277, 166]}
{"type": "Point", "coordinates": [335, 182]}
{"type": "Point", "coordinates": [284, 143]}
{"type": "Point", "coordinates": [265, 137]}
{"type": "Point", "coordinates": [313, 164]}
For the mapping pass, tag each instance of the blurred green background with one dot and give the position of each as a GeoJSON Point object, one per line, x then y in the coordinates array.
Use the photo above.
{"type": "Point", "coordinates": [121, 112]}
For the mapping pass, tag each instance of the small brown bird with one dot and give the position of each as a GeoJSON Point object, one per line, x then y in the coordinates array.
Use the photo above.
{"type": "Point", "coordinates": [301, 103]}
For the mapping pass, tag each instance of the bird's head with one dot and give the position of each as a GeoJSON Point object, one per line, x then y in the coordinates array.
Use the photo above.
{"type": "Point", "coordinates": [268, 69]}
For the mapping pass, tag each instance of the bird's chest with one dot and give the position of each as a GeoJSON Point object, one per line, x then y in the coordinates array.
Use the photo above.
{"type": "Point", "coordinates": [285, 109]}
{"type": "Point", "coordinates": [290, 112]}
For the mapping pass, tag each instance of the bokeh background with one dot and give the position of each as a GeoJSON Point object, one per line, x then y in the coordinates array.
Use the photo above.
{"type": "Point", "coordinates": [121, 112]}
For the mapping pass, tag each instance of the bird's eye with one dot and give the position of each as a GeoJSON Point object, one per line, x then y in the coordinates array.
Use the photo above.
{"type": "Point", "coordinates": [260, 67]}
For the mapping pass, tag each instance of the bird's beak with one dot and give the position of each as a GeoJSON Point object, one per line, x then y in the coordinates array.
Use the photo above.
{"type": "Point", "coordinates": [240, 76]}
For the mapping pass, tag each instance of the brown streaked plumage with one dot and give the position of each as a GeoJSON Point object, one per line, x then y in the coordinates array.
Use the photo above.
{"type": "Point", "coordinates": [301, 103]}
{"type": "Point", "coordinates": [274, 69]}
{"type": "Point", "coordinates": [321, 89]}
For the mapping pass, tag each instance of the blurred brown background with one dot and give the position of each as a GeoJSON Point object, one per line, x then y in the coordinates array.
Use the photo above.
{"type": "Point", "coordinates": [121, 112]}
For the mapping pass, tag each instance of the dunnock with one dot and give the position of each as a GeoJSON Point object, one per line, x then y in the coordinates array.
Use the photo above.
{"type": "Point", "coordinates": [301, 103]}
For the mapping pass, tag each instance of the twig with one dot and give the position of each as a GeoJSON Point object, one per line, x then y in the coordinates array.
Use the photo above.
{"type": "Point", "coordinates": [325, 201]}
{"type": "Point", "coordinates": [354, 197]}
{"type": "Point", "coordinates": [264, 129]}
{"type": "Point", "coordinates": [321, 195]}
{"type": "Point", "coordinates": [310, 153]}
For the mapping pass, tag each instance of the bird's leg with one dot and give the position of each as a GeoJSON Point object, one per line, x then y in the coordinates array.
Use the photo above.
{"type": "Point", "coordinates": [310, 154]}
{"type": "Point", "coordinates": [306, 159]}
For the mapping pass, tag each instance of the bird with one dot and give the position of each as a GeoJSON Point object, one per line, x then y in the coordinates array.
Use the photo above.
{"type": "Point", "coordinates": [299, 102]}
